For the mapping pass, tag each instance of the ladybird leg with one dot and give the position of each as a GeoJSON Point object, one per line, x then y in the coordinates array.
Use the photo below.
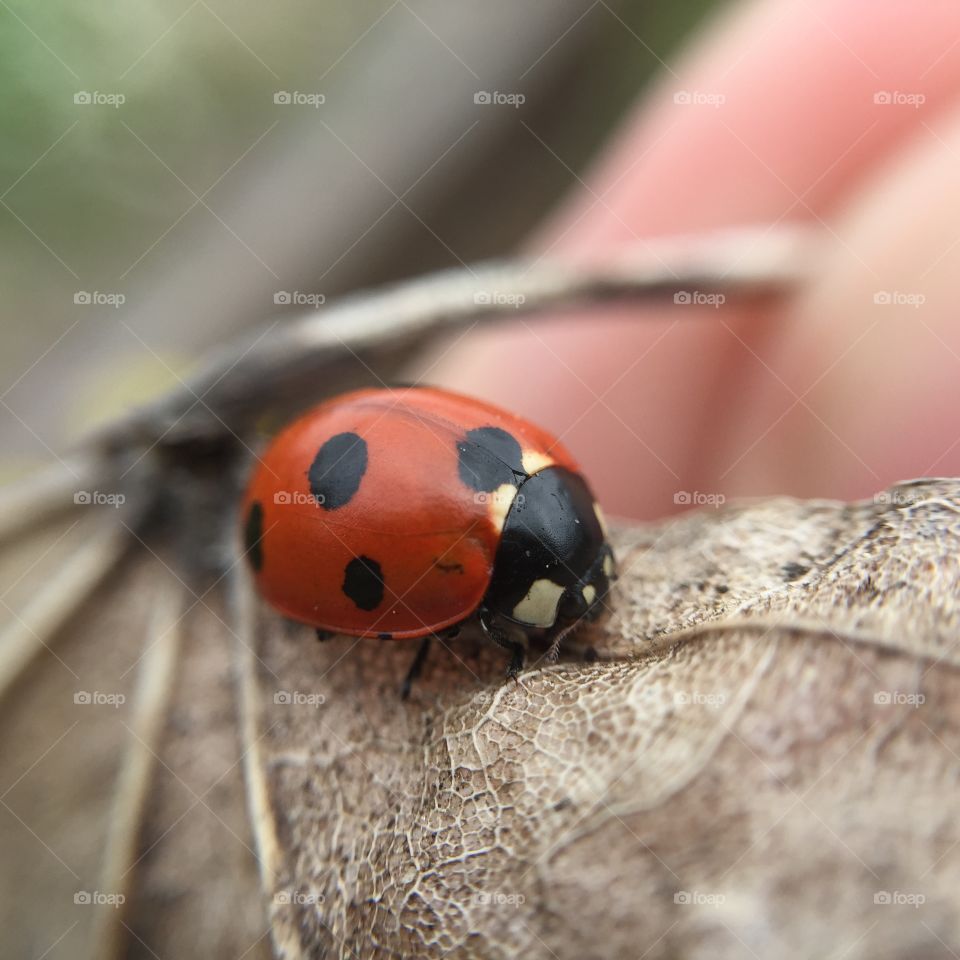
{"type": "Point", "coordinates": [416, 668]}
{"type": "Point", "coordinates": [557, 640]}
{"type": "Point", "coordinates": [324, 635]}
{"type": "Point", "coordinates": [518, 650]}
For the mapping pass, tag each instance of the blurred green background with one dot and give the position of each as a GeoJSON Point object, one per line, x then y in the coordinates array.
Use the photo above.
{"type": "Point", "coordinates": [198, 199]}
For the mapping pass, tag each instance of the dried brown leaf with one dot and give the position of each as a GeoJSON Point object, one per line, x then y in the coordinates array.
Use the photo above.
{"type": "Point", "coordinates": [770, 733]}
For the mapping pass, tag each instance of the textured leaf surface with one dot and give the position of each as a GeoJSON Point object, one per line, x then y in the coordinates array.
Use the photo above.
{"type": "Point", "coordinates": [766, 749]}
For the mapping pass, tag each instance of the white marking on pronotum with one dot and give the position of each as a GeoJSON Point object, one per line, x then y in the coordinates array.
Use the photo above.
{"type": "Point", "coordinates": [602, 520]}
{"type": "Point", "coordinates": [608, 565]}
{"type": "Point", "coordinates": [589, 593]}
{"type": "Point", "coordinates": [533, 461]}
{"type": "Point", "coordinates": [498, 503]}
{"type": "Point", "coordinates": [539, 606]}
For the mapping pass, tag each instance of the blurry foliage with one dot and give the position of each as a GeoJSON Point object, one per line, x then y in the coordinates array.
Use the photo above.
{"type": "Point", "coordinates": [195, 94]}
{"type": "Point", "coordinates": [198, 77]}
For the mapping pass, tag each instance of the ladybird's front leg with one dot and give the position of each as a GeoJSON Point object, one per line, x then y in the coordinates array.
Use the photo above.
{"type": "Point", "coordinates": [557, 635]}
{"type": "Point", "coordinates": [501, 636]}
{"type": "Point", "coordinates": [416, 668]}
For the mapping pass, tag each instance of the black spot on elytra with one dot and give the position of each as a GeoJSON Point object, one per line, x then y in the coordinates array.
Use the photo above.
{"type": "Point", "coordinates": [337, 470]}
{"type": "Point", "coordinates": [490, 457]}
{"type": "Point", "coordinates": [448, 567]}
{"type": "Point", "coordinates": [253, 535]}
{"type": "Point", "coordinates": [363, 582]}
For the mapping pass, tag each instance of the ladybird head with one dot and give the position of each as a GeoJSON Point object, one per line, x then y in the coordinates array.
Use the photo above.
{"type": "Point", "coordinates": [586, 599]}
{"type": "Point", "coordinates": [554, 565]}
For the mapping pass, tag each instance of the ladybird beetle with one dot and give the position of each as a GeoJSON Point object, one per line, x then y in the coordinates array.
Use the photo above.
{"type": "Point", "coordinates": [402, 513]}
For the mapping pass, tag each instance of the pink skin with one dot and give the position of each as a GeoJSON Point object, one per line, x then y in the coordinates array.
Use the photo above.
{"type": "Point", "coordinates": [827, 393]}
